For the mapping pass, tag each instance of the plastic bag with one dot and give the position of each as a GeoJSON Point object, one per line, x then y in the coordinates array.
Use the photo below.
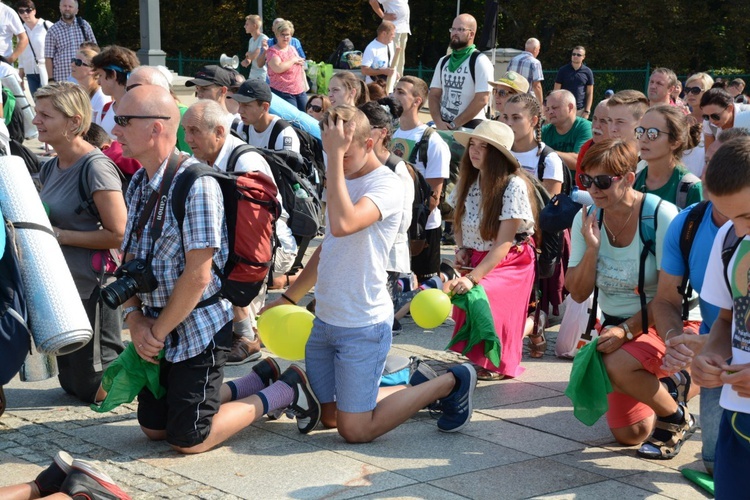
{"type": "Point", "coordinates": [325, 73]}
{"type": "Point", "coordinates": [571, 336]}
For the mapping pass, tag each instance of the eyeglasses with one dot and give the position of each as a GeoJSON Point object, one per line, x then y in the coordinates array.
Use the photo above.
{"type": "Point", "coordinates": [503, 92]}
{"type": "Point", "coordinates": [131, 87]}
{"type": "Point", "coordinates": [123, 120]}
{"type": "Point", "coordinates": [458, 30]}
{"type": "Point", "coordinates": [651, 133]}
{"type": "Point", "coordinates": [693, 90]}
{"type": "Point", "coordinates": [577, 54]}
{"type": "Point", "coordinates": [600, 181]}
{"type": "Point", "coordinates": [714, 116]}
{"type": "Point", "coordinates": [316, 109]}
{"type": "Point", "coordinates": [25, 11]}
{"type": "Point", "coordinates": [79, 62]}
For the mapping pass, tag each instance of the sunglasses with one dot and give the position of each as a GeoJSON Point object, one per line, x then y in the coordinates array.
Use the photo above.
{"type": "Point", "coordinates": [123, 120]}
{"type": "Point", "coordinates": [79, 62]}
{"type": "Point", "coordinates": [503, 92]}
{"type": "Point", "coordinates": [600, 181]}
{"type": "Point", "coordinates": [316, 109]}
{"type": "Point", "coordinates": [713, 116]}
{"type": "Point", "coordinates": [693, 90]}
{"type": "Point", "coordinates": [577, 54]}
{"type": "Point", "coordinates": [25, 11]}
{"type": "Point", "coordinates": [131, 87]}
{"type": "Point", "coordinates": [651, 133]}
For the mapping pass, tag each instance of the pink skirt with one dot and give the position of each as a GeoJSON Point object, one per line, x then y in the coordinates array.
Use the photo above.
{"type": "Point", "coordinates": [508, 288]}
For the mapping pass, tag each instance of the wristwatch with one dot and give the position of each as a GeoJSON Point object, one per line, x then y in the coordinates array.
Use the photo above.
{"type": "Point", "coordinates": [129, 310]}
{"type": "Point", "coordinates": [451, 126]}
{"type": "Point", "coordinates": [628, 334]}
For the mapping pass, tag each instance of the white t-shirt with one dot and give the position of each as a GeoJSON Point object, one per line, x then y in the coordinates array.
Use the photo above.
{"type": "Point", "coordinates": [377, 55]}
{"type": "Point", "coordinates": [254, 44]}
{"type": "Point", "coordinates": [715, 292]}
{"type": "Point", "coordinates": [399, 259]}
{"type": "Point", "coordinates": [741, 119]}
{"type": "Point", "coordinates": [37, 35]}
{"type": "Point", "coordinates": [107, 120]}
{"type": "Point", "coordinates": [401, 9]}
{"type": "Point", "coordinates": [516, 205]}
{"type": "Point", "coordinates": [10, 24]}
{"type": "Point", "coordinates": [287, 138]}
{"type": "Point", "coordinates": [529, 160]}
{"type": "Point", "coordinates": [438, 160]}
{"type": "Point", "coordinates": [459, 89]}
{"type": "Point", "coordinates": [98, 101]}
{"type": "Point", "coordinates": [357, 296]}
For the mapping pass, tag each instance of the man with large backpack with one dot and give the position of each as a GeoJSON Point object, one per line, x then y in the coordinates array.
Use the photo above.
{"type": "Point", "coordinates": [409, 143]}
{"type": "Point", "coordinates": [460, 89]}
{"type": "Point", "coordinates": [175, 268]}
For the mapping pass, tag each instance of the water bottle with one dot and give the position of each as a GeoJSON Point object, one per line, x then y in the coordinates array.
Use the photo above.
{"type": "Point", "coordinates": [581, 197]}
{"type": "Point", "coordinates": [298, 191]}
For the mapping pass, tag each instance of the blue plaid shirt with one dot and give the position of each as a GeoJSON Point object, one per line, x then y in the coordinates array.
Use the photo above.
{"type": "Point", "coordinates": [527, 66]}
{"type": "Point", "coordinates": [203, 227]}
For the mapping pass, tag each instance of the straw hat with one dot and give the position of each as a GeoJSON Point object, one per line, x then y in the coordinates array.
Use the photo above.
{"type": "Point", "coordinates": [514, 81]}
{"type": "Point", "coordinates": [492, 132]}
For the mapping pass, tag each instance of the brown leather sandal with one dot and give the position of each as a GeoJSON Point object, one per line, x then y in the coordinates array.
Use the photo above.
{"type": "Point", "coordinates": [538, 347]}
{"type": "Point", "coordinates": [655, 448]}
{"type": "Point", "coordinates": [485, 374]}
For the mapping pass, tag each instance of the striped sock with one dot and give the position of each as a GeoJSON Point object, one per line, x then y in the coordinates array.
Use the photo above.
{"type": "Point", "coordinates": [276, 396]}
{"type": "Point", "coordinates": [246, 386]}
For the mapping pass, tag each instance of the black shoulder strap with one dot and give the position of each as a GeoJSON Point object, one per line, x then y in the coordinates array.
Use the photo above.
{"type": "Point", "coordinates": [595, 303]}
{"type": "Point", "coordinates": [731, 242]}
{"type": "Point", "coordinates": [234, 156]}
{"type": "Point", "coordinates": [278, 127]}
{"type": "Point", "coordinates": [421, 147]}
{"type": "Point", "coordinates": [683, 188]}
{"type": "Point", "coordinates": [84, 190]}
{"type": "Point", "coordinates": [543, 154]}
{"type": "Point", "coordinates": [687, 236]}
{"type": "Point", "coordinates": [472, 64]}
{"type": "Point", "coordinates": [83, 31]}
{"type": "Point", "coordinates": [392, 161]}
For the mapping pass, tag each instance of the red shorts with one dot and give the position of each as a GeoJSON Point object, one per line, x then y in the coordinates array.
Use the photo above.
{"type": "Point", "coordinates": [649, 350]}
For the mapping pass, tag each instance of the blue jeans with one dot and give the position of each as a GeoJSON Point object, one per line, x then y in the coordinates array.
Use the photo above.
{"type": "Point", "coordinates": [34, 82]}
{"type": "Point", "coordinates": [732, 455]}
{"type": "Point", "coordinates": [710, 419]}
{"type": "Point", "coordinates": [299, 100]}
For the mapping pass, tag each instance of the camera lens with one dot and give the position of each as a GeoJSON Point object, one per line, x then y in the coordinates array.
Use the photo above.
{"type": "Point", "coordinates": [119, 291]}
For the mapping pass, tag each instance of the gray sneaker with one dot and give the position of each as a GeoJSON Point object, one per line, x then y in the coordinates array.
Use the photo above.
{"type": "Point", "coordinates": [305, 406]}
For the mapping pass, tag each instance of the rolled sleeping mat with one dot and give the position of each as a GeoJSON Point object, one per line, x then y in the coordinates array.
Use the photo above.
{"type": "Point", "coordinates": [57, 319]}
{"type": "Point", "coordinates": [37, 367]}
{"type": "Point", "coordinates": [11, 81]}
{"type": "Point", "coordinates": [298, 118]}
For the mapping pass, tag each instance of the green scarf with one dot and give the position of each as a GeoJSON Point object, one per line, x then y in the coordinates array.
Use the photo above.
{"type": "Point", "coordinates": [479, 327]}
{"type": "Point", "coordinates": [589, 385]}
{"type": "Point", "coordinates": [125, 378]}
{"type": "Point", "coordinates": [459, 56]}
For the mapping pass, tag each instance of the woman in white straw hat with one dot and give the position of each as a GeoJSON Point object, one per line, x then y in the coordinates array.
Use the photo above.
{"type": "Point", "coordinates": [511, 83]}
{"type": "Point", "coordinates": [494, 225]}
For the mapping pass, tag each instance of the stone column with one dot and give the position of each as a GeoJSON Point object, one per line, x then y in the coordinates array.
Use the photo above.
{"type": "Point", "coordinates": [150, 53]}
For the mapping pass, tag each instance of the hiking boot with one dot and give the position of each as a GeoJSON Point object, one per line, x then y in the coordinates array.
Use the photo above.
{"type": "Point", "coordinates": [244, 350]}
{"type": "Point", "coordinates": [87, 482]}
{"type": "Point", "coordinates": [268, 370]}
{"type": "Point", "coordinates": [51, 479]}
{"type": "Point", "coordinates": [305, 406]}
{"type": "Point", "coordinates": [457, 405]}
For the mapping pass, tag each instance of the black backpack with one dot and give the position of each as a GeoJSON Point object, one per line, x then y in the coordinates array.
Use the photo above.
{"type": "Point", "coordinates": [549, 242]}
{"type": "Point", "coordinates": [567, 184]}
{"type": "Point", "coordinates": [29, 158]}
{"type": "Point", "coordinates": [687, 236]}
{"type": "Point", "coordinates": [420, 208]}
{"type": "Point", "coordinates": [336, 58]}
{"type": "Point", "coordinates": [289, 172]}
{"type": "Point", "coordinates": [731, 242]}
{"type": "Point", "coordinates": [310, 148]}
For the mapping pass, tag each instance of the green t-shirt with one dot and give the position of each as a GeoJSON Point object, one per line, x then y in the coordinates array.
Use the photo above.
{"type": "Point", "coordinates": [572, 140]}
{"type": "Point", "coordinates": [668, 191]}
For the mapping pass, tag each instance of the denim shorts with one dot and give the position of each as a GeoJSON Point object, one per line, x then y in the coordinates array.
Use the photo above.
{"type": "Point", "coordinates": [345, 364]}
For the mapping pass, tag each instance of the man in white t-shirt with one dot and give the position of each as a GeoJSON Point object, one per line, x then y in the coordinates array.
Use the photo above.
{"type": "Point", "coordinates": [725, 358]}
{"type": "Point", "coordinates": [411, 92]}
{"type": "Point", "coordinates": [255, 97]}
{"type": "Point", "coordinates": [460, 89]}
{"type": "Point", "coordinates": [207, 134]}
{"type": "Point", "coordinates": [10, 26]}
{"type": "Point", "coordinates": [397, 12]}
{"type": "Point", "coordinates": [31, 63]}
{"type": "Point", "coordinates": [378, 55]}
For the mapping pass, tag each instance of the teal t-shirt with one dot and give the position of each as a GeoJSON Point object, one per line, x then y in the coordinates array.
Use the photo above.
{"type": "Point", "coordinates": [572, 140]}
{"type": "Point", "coordinates": [668, 191]}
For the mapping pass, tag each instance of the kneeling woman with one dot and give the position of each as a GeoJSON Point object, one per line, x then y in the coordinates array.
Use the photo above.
{"type": "Point", "coordinates": [494, 223]}
{"type": "Point", "coordinates": [606, 253]}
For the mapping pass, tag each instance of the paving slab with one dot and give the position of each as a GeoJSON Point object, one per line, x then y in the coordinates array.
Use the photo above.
{"type": "Point", "coordinates": [605, 489]}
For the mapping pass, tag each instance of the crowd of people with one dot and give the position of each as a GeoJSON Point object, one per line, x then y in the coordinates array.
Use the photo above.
{"type": "Point", "coordinates": [653, 165]}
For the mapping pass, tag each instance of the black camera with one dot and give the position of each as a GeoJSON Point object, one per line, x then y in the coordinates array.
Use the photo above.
{"type": "Point", "coordinates": [132, 277]}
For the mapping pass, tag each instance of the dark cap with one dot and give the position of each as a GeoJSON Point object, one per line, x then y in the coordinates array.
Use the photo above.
{"type": "Point", "coordinates": [253, 90]}
{"type": "Point", "coordinates": [211, 75]}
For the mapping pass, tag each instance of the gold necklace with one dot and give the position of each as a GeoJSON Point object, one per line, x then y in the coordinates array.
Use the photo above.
{"type": "Point", "coordinates": [614, 236]}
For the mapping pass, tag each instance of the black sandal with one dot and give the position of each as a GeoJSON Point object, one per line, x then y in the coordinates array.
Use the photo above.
{"type": "Point", "coordinates": [664, 450]}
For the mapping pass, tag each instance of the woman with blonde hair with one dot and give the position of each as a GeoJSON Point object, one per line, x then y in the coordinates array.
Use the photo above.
{"type": "Point", "coordinates": [695, 86]}
{"type": "Point", "coordinates": [286, 69]}
{"type": "Point", "coordinates": [346, 88]}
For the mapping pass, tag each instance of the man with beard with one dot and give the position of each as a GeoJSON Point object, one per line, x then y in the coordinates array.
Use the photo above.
{"type": "Point", "coordinates": [64, 39]}
{"type": "Point", "coordinates": [460, 90]}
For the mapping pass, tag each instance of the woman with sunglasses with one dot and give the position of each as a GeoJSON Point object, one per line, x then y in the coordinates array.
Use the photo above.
{"type": "Point", "coordinates": [113, 66]}
{"type": "Point", "coordinates": [86, 236]}
{"type": "Point", "coordinates": [510, 84]}
{"type": "Point", "coordinates": [720, 112]}
{"type": "Point", "coordinates": [317, 105]}
{"type": "Point", "coordinates": [286, 69]}
{"type": "Point", "coordinates": [695, 86]}
{"type": "Point", "coordinates": [494, 221]}
{"type": "Point", "coordinates": [80, 67]}
{"type": "Point", "coordinates": [662, 137]}
{"type": "Point", "coordinates": [606, 253]}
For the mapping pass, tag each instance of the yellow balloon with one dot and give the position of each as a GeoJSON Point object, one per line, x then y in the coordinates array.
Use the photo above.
{"type": "Point", "coordinates": [284, 330]}
{"type": "Point", "coordinates": [430, 308]}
